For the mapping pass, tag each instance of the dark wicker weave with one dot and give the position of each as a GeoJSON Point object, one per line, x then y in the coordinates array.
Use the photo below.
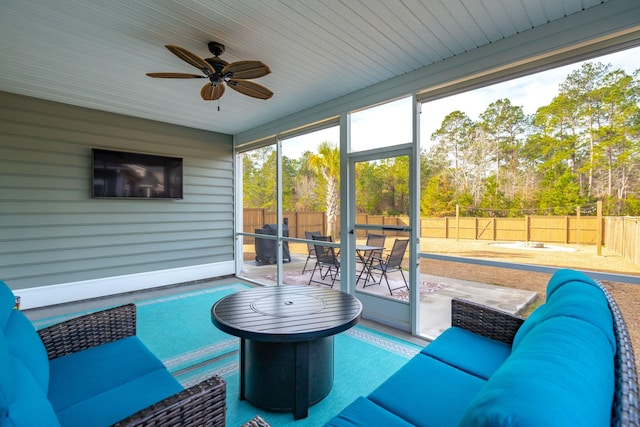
{"type": "Point", "coordinates": [484, 320]}
{"type": "Point", "coordinates": [201, 405]}
{"type": "Point", "coordinates": [90, 330]}
{"type": "Point", "coordinates": [503, 326]}
{"type": "Point", "coordinates": [626, 408]}
{"type": "Point", "coordinates": [204, 404]}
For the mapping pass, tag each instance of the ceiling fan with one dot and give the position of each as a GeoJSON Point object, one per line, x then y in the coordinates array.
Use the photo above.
{"type": "Point", "coordinates": [236, 75]}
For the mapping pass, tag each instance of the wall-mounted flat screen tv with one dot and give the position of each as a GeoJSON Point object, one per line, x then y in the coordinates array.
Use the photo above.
{"type": "Point", "coordinates": [127, 175]}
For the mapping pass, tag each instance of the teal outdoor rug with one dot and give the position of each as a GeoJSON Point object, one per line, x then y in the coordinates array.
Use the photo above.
{"type": "Point", "coordinates": [179, 331]}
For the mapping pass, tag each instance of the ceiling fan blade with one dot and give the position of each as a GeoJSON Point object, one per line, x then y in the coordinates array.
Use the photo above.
{"type": "Point", "coordinates": [210, 92]}
{"type": "Point", "coordinates": [250, 88]}
{"type": "Point", "coordinates": [246, 69]}
{"type": "Point", "coordinates": [190, 58]}
{"type": "Point", "coordinates": [176, 75]}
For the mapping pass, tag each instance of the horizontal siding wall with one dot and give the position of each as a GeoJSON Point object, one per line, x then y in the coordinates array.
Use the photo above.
{"type": "Point", "coordinates": [53, 232]}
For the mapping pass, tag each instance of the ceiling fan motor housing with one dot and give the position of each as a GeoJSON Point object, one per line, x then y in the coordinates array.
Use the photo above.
{"type": "Point", "coordinates": [216, 48]}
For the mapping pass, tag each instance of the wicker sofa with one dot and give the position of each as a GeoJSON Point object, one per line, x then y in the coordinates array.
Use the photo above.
{"type": "Point", "coordinates": [93, 371]}
{"type": "Point", "coordinates": [569, 364]}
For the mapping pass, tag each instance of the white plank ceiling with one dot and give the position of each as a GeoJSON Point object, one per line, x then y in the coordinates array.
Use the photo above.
{"type": "Point", "coordinates": [95, 53]}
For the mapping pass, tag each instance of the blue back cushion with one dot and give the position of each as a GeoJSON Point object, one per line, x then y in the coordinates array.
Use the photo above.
{"type": "Point", "coordinates": [25, 344]}
{"type": "Point", "coordinates": [564, 276]}
{"type": "Point", "coordinates": [572, 294]}
{"type": "Point", "coordinates": [7, 301]}
{"type": "Point", "coordinates": [537, 316]}
{"type": "Point", "coordinates": [588, 303]}
{"type": "Point", "coordinates": [561, 374]}
{"type": "Point", "coordinates": [7, 378]}
{"type": "Point", "coordinates": [24, 365]}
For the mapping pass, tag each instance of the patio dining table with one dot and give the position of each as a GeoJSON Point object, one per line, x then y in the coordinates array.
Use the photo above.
{"type": "Point", "coordinates": [361, 252]}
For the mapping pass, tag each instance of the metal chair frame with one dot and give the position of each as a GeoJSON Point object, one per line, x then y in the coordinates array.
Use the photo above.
{"type": "Point", "coordinates": [310, 248]}
{"type": "Point", "coordinates": [326, 258]}
{"type": "Point", "coordinates": [393, 262]}
{"type": "Point", "coordinates": [368, 256]}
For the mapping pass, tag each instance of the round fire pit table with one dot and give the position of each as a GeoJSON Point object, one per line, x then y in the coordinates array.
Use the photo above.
{"type": "Point", "coordinates": [286, 342]}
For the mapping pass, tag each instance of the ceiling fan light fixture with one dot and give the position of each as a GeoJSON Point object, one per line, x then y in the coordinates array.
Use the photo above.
{"type": "Point", "coordinates": [236, 74]}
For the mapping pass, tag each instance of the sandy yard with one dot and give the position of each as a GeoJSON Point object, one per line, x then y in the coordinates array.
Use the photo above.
{"type": "Point", "coordinates": [580, 257]}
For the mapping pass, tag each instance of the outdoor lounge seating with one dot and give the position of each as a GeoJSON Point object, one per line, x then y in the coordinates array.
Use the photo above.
{"type": "Point", "coordinates": [570, 363]}
{"type": "Point", "coordinates": [93, 371]}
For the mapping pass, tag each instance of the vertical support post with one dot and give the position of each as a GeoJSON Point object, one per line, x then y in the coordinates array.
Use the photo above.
{"type": "Point", "coordinates": [475, 228]}
{"type": "Point", "coordinates": [599, 229]}
{"type": "Point", "coordinates": [578, 227]}
{"type": "Point", "coordinates": [457, 223]}
{"type": "Point", "coordinates": [495, 225]}
{"type": "Point", "coordinates": [446, 227]}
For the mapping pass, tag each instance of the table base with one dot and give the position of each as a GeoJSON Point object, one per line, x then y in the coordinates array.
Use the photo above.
{"type": "Point", "coordinates": [289, 376]}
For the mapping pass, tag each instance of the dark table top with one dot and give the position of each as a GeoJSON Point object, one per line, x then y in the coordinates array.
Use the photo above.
{"type": "Point", "coordinates": [286, 313]}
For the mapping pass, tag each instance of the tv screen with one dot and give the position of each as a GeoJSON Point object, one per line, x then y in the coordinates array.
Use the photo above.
{"type": "Point", "coordinates": [135, 175]}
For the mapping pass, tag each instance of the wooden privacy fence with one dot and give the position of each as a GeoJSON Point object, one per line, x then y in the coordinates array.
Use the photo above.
{"type": "Point", "coordinates": [299, 222]}
{"type": "Point", "coordinates": [548, 229]}
{"type": "Point", "coordinates": [622, 235]}
{"type": "Point", "coordinates": [619, 234]}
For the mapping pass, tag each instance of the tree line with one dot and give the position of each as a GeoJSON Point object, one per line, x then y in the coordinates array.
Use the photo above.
{"type": "Point", "coordinates": [582, 147]}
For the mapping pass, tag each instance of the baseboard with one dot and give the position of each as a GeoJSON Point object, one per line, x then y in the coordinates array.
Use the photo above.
{"type": "Point", "coordinates": [76, 291]}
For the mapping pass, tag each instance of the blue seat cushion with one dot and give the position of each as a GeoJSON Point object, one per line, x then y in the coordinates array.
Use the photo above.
{"type": "Point", "coordinates": [113, 380]}
{"type": "Point", "coordinates": [453, 347]}
{"type": "Point", "coordinates": [427, 392]}
{"type": "Point", "coordinates": [364, 413]}
{"type": "Point", "coordinates": [121, 401]}
{"type": "Point", "coordinates": [561, 374]}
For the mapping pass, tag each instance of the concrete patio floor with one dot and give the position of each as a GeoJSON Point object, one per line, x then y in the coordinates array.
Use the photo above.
{"type": "Point", "coordinates": [436, 292]}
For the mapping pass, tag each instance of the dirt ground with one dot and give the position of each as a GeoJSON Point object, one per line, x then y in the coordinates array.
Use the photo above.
{"type": "Point", "coordinates": [580, 257]}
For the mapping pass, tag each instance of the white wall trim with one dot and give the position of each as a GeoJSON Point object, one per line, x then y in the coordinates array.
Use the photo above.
{"type": "Point", "coordinates": [76, 291]}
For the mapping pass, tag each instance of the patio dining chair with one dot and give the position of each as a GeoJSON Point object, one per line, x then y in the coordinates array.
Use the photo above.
{"type": "Point", "coordinates": [327, 262]}
{"type": "Point", "coordinates": [367, 256]}
{"type": "Point", "coordinates": [310, 248]}
{"type": "Point", "coordinates": [393, 262]}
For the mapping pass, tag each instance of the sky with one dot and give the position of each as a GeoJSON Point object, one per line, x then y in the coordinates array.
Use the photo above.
{"type": "Point", "coordinates": [392, 122]}
{"type": "Point", "coordinates": [529, 92]}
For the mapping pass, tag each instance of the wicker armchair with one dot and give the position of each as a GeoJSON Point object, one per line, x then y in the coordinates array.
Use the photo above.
{"type": "Point", "coordinates": [200, 405]}
{"type": "Point", "coordinates": [503, 326]}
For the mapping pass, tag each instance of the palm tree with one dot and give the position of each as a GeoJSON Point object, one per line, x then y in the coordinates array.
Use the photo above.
{"type": "Point", "coordinates": [327, 164]}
